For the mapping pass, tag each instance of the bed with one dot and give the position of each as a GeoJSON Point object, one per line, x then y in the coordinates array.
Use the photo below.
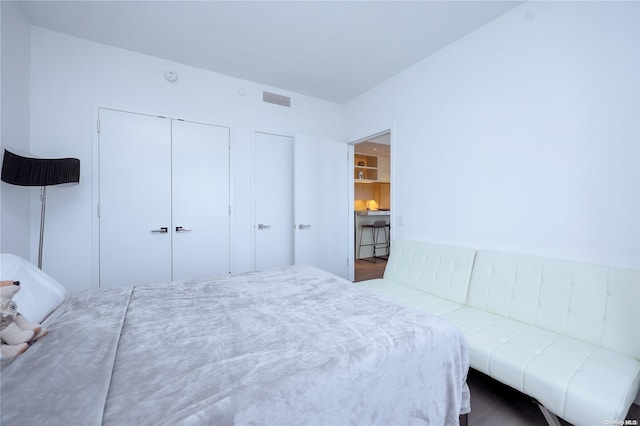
{"type": "Point", "coordinates": [293, 345]}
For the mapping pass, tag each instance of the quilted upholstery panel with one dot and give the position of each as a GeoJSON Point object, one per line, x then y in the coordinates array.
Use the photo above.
{"type": "Point", "coordinates": [485, 333]}
{"type": "Point", "coordinates": [621, 314]}
{"type": "Point", "coordinates": [597, 372]}
{"type": "Point", "coordinates": [439, 270]}
{"type": "Point", "coordinates": [411, 297]}
{"type": "Point", "coordinates": [591, 303]}
{"type": "Point", "coordinates": [576, 380]}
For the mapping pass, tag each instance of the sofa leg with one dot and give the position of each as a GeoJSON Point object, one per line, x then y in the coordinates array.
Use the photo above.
{"type": "Point", "coordinates": [551, 418]}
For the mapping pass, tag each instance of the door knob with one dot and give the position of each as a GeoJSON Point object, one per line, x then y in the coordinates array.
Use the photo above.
{"type": "Point", "coordinates": [162, 230]}
{"type": "Point", "coordinates": [182, 229]}
{"type": "Point", "coordinates": [261, 226]}
{"type": "Point", "coordinates": [301, 226]}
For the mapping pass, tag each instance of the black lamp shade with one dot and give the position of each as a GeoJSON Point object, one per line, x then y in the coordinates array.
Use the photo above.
{"type": "Point", "coordinates": [24, 171]}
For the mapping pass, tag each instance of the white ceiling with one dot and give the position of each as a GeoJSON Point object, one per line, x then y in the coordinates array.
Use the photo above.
{"type": "Point", "coordinates": [333, 50]}
{"type": "Point", "coordinates": [377, 145]}
{"type": "Point", "coordinates": [372, 148]}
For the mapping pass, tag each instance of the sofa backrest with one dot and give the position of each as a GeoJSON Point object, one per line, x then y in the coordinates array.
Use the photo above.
{"type": "Point", "coordinates": [436, 269]}
{"type": "Point", "coordinates": [595, 304]}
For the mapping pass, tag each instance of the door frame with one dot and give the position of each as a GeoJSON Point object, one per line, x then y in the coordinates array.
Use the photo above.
{"type": "Point", "coordinates": [95, 177]}
{"type": "Point", "coordinates": [352, 144]}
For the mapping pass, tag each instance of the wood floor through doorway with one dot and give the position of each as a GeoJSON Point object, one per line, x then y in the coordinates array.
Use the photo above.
{"type": "Point", "coordinates": [369, 270]}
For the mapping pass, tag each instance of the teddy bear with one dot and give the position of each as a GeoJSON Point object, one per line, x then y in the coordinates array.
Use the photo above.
{"type": "Point", "coordinates": [15, 330]}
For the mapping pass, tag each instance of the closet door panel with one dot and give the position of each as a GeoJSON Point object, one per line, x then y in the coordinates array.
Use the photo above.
{"type": "Point", "coordinates": [135, 198]}
{"type": "Point", "coordinates": [322, 205]}
{"type": "Point", "coordinates": [200, 208]}
{"type": "Point", "coordinates": [273, 200]}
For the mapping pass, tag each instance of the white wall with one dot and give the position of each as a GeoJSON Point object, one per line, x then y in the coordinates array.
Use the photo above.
{"type": "Point", "coordinates": [70, 77]}
{"type": "Point", "coordinates": [14, 201]}
{"type": "Point", "coordinates": [522, 136]}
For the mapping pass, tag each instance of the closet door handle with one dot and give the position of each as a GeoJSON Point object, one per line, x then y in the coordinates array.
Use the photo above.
{"type": "Point", "coordinates": [162, 230]}
{"type": "Point", "coordinates": [262, 226]}
{"type": "Point", "coordinates": [301, 226]}
{"type": "Point", "coordinates": [181, 229]}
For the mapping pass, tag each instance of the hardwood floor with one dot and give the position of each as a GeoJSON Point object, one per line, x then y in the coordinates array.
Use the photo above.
{"type": "Point", "coordinates": [368, 270]}
{"type": "Point", "coordinates": [492, 403]}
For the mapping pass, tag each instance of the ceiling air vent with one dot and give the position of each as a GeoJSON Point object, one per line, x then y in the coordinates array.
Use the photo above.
{"type": "Point", "coordinates": [274, 98]}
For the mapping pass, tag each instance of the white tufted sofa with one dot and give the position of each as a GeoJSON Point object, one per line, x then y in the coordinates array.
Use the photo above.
{"type": "Point", "coordinates": [565, 333]}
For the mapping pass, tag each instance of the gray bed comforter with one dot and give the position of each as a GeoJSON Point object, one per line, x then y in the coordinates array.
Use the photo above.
{"type": "Point", "coordinates": [290, 346]}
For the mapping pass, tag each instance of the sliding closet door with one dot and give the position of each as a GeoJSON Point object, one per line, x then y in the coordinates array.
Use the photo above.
{"type": "Point", "coordinates": [200, 188]}
{"type": "Point", "coordinates": [273, 200]}
{"type": "Point", "coordinates": [135, 198]}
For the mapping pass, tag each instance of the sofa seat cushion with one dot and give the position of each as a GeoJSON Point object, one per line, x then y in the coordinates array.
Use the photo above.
{"type": "Point", "coordinates": [576, 380]}
{"type": "Point", "coordinates": [409, 296]}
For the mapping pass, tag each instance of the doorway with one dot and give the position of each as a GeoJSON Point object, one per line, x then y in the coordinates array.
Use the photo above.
{"type": "Point", "coordinates": [371, 222]}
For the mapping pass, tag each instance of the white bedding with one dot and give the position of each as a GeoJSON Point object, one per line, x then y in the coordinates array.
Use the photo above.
{"type": "Point", "coordinates": [293, 346]}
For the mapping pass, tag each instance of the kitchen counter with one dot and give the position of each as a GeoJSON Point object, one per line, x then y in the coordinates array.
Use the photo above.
{"type": "Point", "coordinates": [373, 212]}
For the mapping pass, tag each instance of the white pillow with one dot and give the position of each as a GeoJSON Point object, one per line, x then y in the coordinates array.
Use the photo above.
{"type": "Point", "coordinates": [39, 294]}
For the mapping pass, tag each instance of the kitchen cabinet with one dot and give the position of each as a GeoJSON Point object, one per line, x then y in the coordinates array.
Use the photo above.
{"type": "Point", "coordinates": [371, 168]}
{"type": "Point", "coordinates": [365, 168]}
{"type": "Point", "coordinates": [364, 191]}
{"type": "Point", "coordinates": [384, 169]}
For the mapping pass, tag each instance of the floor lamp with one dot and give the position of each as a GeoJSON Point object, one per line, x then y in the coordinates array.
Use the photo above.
{"type": "Point", "coordinates": [26, 171]}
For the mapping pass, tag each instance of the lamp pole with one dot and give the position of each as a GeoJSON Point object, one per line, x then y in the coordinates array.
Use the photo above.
{"type": "Point", "coordinates": [43, 199]}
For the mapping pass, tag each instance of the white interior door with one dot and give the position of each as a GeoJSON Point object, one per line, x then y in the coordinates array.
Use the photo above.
{"type": "Point", "coordinates": [322, 205]}
{"type": "Point", "coordinates": [272, 200]}
{"type": "Point", "coordinates": [135, 198]}
{"type": "Point", "coordinates": [200, 188]}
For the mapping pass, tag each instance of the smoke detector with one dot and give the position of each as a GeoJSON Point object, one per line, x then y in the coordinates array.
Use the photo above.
{"type": "Point", "coordinates": [171, 76]}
